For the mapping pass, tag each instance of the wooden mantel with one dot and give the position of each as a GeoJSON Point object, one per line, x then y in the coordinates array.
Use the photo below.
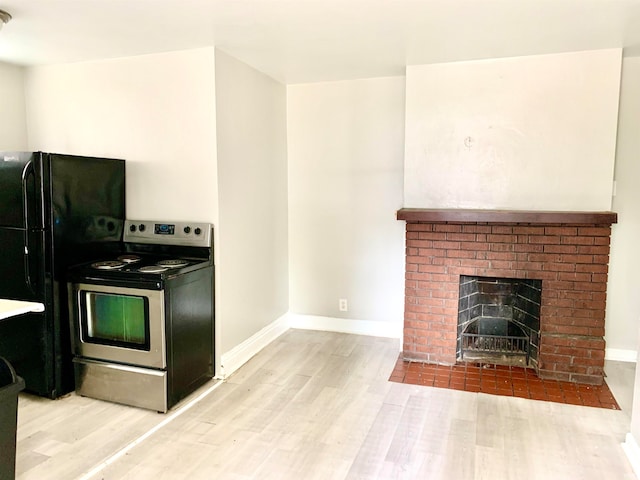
{"type": "Point", "coordinates": [505, 216]}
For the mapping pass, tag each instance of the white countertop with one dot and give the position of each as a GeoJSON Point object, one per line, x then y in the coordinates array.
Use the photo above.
{"type": "Point", "coordinates": [10, 308]}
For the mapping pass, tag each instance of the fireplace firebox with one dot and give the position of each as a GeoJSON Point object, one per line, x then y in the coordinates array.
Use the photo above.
{"type": "Point", "coordinates": [499, 320]}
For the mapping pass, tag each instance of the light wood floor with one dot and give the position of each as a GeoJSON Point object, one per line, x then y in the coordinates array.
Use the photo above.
{"type": "Point", "coordinates": [317, 405]}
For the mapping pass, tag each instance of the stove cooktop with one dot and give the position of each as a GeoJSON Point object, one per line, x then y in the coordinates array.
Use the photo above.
{"type": "Point", "coordinates": [137, 263]}
{"type": "Point", "coordinates": [137, 267]}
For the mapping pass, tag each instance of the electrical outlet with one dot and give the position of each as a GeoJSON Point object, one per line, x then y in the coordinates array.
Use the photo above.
{"type": "Point", "coordinates": [343, 306]}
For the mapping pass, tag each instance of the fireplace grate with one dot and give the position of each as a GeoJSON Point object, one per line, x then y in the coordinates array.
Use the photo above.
{"type": "Point", "coordinates": [494, 344]}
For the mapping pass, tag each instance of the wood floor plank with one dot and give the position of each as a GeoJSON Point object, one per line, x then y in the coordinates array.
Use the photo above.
{"type": "Point", "coordinates": [318, 405]}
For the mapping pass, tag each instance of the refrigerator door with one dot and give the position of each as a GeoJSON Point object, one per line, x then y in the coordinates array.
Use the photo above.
{"type": "Point", "coordinates": [21, 264]}
{"type": "Point", "coordinates": [21, 189]}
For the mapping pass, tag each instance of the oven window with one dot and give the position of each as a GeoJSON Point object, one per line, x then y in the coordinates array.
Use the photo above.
{"type": "Point", "coordinates": [112, 319]}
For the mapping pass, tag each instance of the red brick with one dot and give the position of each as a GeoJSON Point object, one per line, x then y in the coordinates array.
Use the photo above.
{"type": "Point", "coordinates": [601, 259]}
{"type": "Point", "coordinates": [561, 302]}
{"type": "Point", "coordinates": [447, 227]}
{"type": "Point", "coordinates": [432, 236]}
{"type": "Point", "coordinates": [461, 254]}
{"type": "Point", "coordinates": [425, 253]}
{"type": "Point", "coordinates": [501, 264]}
{"type": "Point", "coordinates": [544, 239]}
{"type": "Point", "coordinates": [442, 342]}
{"type": "Point", "coordinates": [528, 265]}
{"type": "Point", "coordinates": [434, 304]}
{"type": "Point", "coordinates": [460, 270]}
{"type": "Point", "coordinates": [474, 246]}
{"type": "Point", "coordinates": [561, 231]}
{"type": "Point", "coordinates": [537, 275]}
{"type": "Point", "coordinates": [554, 358]}
{"type": "Point", "coordinates": [577, 240]}
{"type": "Point", "coordinates": [444, 294]}
{"type": "Point", "coordinates": [544, 257]}
{"type": "Point", "coordinates": [599, 277]}
{"type": "Point", "coordinates": [528, 247]}
{"type": "Point", "coordinates": [430, 268]}
{"type": "Point", "coordinates": [593, 344]}
{"type": "Point", "coordinates": [560, 285]}
{"type": "Point", "coordinates": [417, 259]}
{"type": "Point", "coordinates": [445, 245]}
{"type": "Point", "coordinates": [567, 329]}
{"type": "Point", "coordinates": [507, 256]}
{"type": "Point", "coordinates": [602, 241]}
{"type": "Point", "coordinates": [559, 267]}
{"type": "Point", "coordinates": [574, 277]}
{"type": "Point", "coordinates": [577, 259]}
{"type": "Point", "coordinates": [589, 286]}
{"type": "Point", "coordinates": [420, 243]}
{"type": "Point", "coordinates": [475, 228]}
{"type": "Point", "coordinates": [594, 250]}
{"type": "Point", "coordinates": [501, 238]}
{"type": "Point", "coordinates": [560, 249]}
{"type": "Point", "coordinates": [429, 284]}
{"type": "Point", "coordinates": [502, 229]}
{"type": "Point", "coordinates": [492, 272]}
{"type": "Point", "coordinates": [527, 230]}
{"type": "Point", "coordinates": [594, 231]}
{"type": "Point", "coordinates": [502, 247]}
{"type": "Point", "coordinates": [419, 227]}
{"type": "Point", "coordinates": [461, 237]}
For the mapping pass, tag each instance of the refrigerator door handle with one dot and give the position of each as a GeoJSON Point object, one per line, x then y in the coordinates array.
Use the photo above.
{"type": "Point", "coordinates": [28, 170]}
{"type": "Point", "coordinates": [27, 263]}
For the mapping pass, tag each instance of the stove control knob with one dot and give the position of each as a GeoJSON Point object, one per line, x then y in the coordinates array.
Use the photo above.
{"type": "Point", "coordinates": [197, 231]}
{"type": "Point", "coordinates": [132, 228]}
{"type": "Point", "coordinates": [142, 227]}
{"type": "Point", "coordinates": [187, 229]}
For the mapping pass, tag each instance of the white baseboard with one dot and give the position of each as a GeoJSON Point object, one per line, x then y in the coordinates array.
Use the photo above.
{"type": "Point", "coordinates": [345, 325]}
{"type": "Point", "coordinates": [631, 449]}
{"type": "Point", "coordinates": [242, 353]}
{"type": "Point", "coordinates": [620, 355]}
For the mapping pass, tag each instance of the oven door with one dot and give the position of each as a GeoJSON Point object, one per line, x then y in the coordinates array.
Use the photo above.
{"type": "Point", "coordinates": [119, 324]}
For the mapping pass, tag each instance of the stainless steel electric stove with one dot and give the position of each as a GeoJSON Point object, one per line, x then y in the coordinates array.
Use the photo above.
{"type": "Point", "coordinates": [143, 319]}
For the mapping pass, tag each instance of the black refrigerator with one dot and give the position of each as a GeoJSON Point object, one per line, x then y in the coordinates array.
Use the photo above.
{"type": "Point", "coordinates": [55, 211]}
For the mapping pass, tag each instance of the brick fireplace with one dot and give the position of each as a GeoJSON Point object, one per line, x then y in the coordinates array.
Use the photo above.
{"type": "Point", "coordinates": [567, 251]}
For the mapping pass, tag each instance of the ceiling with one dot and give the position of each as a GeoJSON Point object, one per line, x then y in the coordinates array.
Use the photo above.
{"type": "Point", "coordinates": [300, 41]}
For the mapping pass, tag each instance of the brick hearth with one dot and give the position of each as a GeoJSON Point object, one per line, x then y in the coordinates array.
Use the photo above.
{"type": "Point", "coordinates": [568, 251]}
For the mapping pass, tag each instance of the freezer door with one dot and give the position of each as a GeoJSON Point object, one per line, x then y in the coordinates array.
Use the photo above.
{"type": "Point", "coordinates": [87, 207]}
{"type": "Point", "coordinates": [22, 260]}
{"type": "Point", "coordinates": [21, 198]}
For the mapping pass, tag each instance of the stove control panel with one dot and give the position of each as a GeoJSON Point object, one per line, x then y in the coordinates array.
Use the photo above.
{"type": "Point", "coordinates": [192, 234]}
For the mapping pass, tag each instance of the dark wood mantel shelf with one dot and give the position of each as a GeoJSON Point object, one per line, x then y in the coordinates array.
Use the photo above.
{"type": "Point", "coordinates": [505, 216]}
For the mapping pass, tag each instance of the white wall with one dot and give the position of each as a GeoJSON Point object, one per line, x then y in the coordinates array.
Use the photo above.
{"type": "Point", "coordinates": [345, 184]}
{"type": "Point", "coordinates": [252, 171]}
{"type": "Point", "coordinates": [155, 111]}
{"type": "Point", "coordinates": [530, 133]}
{"type": "Point", "coordinates": [623, 314]}
{"type": "Point", "coordinates": [13, 123]}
